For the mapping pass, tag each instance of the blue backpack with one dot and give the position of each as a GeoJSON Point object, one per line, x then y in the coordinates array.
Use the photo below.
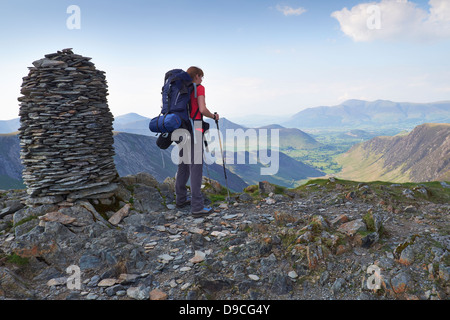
{"type": "Point", "coordinates": [176, 103]}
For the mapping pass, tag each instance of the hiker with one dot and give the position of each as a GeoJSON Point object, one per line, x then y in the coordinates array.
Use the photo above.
{"type": "Point", "coordinates": [194, 170]}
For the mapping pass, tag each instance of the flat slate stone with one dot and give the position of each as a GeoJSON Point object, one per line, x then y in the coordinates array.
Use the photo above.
{"type": "Point", "coordinates": [66, 128]}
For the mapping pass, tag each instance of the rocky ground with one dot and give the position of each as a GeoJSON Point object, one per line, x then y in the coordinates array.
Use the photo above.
{"type": "Point", "coordinates": [329, 239]}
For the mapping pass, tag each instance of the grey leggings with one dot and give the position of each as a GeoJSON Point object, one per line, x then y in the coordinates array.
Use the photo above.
{"type": "Point", "coordinates": [193, 170]}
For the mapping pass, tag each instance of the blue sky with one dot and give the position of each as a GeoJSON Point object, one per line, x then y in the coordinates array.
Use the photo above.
{"type": "Point", "coordinates": [259, 57]}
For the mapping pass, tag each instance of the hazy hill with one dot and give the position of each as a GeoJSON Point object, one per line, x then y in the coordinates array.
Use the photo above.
{"type": "Point", "coordinates": [420, 156]}
{"type": "Point", "coordinates": [258, 120]}
{"type": "Point", "coordinates": [365, 114]}
{"type": "Point", "coordinates": [358, 134]}
{"type": "Point", "coordinates": [290, 138]}
{"type": "Point", "coordinates": [132, 123]}
{"type": "Point", "coordinates": [291, 173]}
{"type": "Point", "coordinates": [135, 123]}
{"type": "Point", "coordinates": [8, 126]}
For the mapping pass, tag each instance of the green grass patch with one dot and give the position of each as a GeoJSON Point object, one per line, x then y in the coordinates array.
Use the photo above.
{"type": "Point", "coordinates": [369, 221]}
{"type": "Point", "coordinates": [428, 191]}
{"type": "Point", "coordinates": [24, 220]}
{"type": "Point", "coordinates": [17, 260]}
{"type": "Point", "coordinates": [216, 198]}
{"type": "Point", "coordinates": [279, 190]}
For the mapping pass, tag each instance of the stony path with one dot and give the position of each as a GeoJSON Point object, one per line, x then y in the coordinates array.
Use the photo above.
{"type": "Point", "coordinates": [322, 242]}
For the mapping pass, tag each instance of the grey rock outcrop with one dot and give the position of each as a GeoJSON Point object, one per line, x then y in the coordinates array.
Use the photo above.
{"type": "Point", "coordinates": [293, 249]}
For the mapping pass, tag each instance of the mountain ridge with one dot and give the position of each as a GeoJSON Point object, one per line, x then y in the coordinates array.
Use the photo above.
{"type": "Point", "coordinates": [360, 113]}
{"type": "Point", "coordinates": [351, 113]}
{"type": "Point", "coordinates": [420, 156]}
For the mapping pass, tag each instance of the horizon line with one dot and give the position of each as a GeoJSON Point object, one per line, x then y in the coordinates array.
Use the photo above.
{"type": "Point", "coordinates": [288, 114]}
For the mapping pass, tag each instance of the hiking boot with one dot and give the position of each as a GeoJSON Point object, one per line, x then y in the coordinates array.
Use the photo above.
{"type": "Point", "coordinates": [202, 213]}
{"type": "Point", "coordinates": [184, 204]}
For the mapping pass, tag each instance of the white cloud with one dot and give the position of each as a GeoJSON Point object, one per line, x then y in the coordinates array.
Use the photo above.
{"type": "Point", "coordinates": [289, 11]}
{"type": "Point", "coordinates": [396, 20]}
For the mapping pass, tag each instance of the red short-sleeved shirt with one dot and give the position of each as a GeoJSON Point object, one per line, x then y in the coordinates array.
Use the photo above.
{"type": "Point", "coordinates": [194, 102]}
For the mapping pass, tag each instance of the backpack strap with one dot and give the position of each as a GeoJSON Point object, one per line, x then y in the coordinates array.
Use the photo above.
{"type": "Point", "coordinates": [195, 96]}
{"type": "Point", "coordinates": [168, 108]}
{"type": "Point", "coordinates": [191, 120]}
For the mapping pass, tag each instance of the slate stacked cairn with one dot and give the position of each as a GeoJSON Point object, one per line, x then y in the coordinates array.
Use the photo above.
{"type": "Point", "coordinates": [66, 128]}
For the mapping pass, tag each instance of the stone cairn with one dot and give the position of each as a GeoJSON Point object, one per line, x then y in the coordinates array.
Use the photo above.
{"type": "Point", "coordinates": [66, 133]}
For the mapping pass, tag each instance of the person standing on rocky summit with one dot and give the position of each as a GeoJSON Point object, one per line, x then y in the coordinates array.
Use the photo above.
{"type": "Point", "coordinates": [194, 169]}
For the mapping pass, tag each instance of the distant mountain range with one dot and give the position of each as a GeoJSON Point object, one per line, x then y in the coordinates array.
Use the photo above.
{"type": "Point", "coordinates": [422, 155]}
{"type": "Point", "coordinates": [351, 114]}
{"type": "Point", "coordinates": [133, 123]}
{"type": "Point", "coordinates": [364, 114]}
{"type": "Point", "coordinates": [8, 126]}
{"type": "Point", "coordinates": [138, 153]}
{"type": "Point", "coordinates": [289, 137]}
{"type": "Point", "coordinates": [291, 172]}
{"type": "Point", "coordinates": [396, 158]}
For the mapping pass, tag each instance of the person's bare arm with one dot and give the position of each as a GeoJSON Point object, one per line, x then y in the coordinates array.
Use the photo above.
{"type": "Point", "coordinates": [204, 110]}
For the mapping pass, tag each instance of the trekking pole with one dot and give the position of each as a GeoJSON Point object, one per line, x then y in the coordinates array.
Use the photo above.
{"type": "Point", "coordinates": [223, 160]}
{"type": "Point", "coordinates": [205, 144]}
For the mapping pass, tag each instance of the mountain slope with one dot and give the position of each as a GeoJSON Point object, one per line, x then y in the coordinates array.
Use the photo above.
{"type": "Point", "coordinates": [137, 153]}
{"type": "Point", "coordinates": [360, 114]}
{"type": "Point", "coordinates": [290, 138]}
{"type": "Point", "coordinates": [10, 166]}
{"type": "Point", "coordinates": [291, 173]}
{"type": "Point", "coordinates": [134, 154]}
{"type": "Point", "coordinates": [422, 155]}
